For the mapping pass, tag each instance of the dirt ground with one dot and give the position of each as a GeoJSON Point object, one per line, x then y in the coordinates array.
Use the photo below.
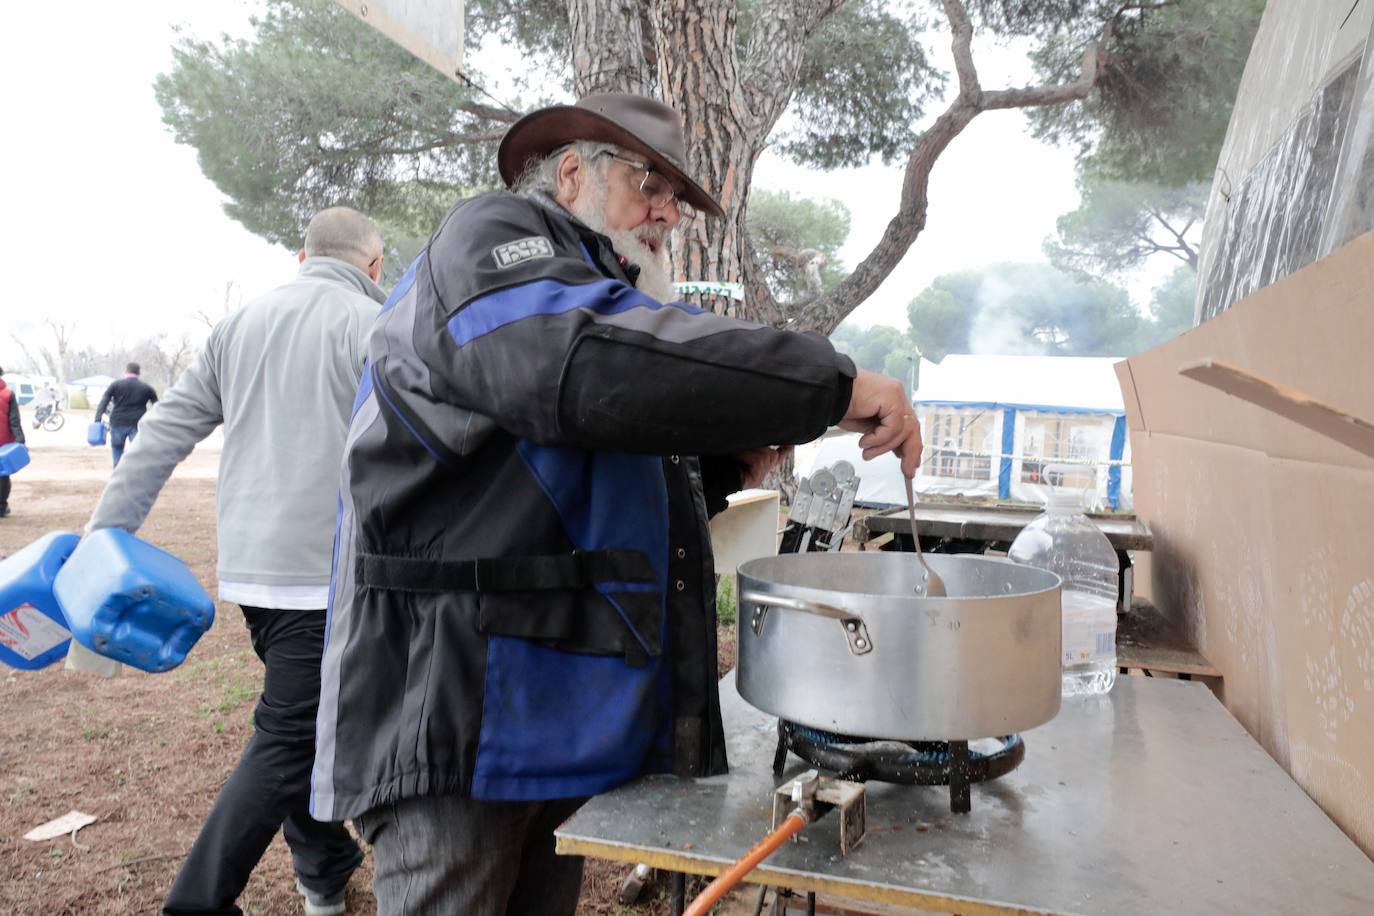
{"type": "Point", "coordinates": [145, 753]}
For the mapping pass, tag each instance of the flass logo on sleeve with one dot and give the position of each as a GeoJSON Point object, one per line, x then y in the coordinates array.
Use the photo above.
{"type": "Point", "coordinates": [521, 250]}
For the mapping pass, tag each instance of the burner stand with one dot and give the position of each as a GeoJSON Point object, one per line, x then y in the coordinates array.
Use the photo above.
{"type": "Point", "coordinates": [918, 763]}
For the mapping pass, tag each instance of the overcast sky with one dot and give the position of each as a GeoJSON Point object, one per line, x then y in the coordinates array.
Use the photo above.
{"type": "Point", "coordinates": [111, 224]}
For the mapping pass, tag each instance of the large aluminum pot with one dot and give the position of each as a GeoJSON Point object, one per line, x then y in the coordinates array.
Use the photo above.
{"type": "Point", "coordinates": [843, 642]}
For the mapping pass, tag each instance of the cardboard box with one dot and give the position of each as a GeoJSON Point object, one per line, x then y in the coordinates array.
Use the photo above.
{"type": "Point", "coordinates": [1255, 471]}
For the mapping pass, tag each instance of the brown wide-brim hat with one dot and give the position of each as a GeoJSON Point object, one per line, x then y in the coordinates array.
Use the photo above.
{"type": "Point", "coordinates": [634, 123]}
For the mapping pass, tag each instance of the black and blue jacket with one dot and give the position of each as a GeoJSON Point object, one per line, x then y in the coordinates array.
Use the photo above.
{"type": "Point", "coordinates": [522, 603]}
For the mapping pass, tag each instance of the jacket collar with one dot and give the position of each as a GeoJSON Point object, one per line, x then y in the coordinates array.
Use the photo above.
{"type": "Point", "coordinates": [342, 273]}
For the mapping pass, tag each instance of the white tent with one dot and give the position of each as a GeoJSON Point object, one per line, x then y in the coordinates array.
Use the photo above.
{"type": "Point", "coordinates": [92, 386]}
{"type": "Point", "coordinates": [27, 387]}
{"type": "Point", "coordinates": [992, 424]}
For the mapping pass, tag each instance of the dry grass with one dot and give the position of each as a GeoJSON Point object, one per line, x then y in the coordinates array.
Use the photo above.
{"type": "Point", "coordinates": [147, 754]}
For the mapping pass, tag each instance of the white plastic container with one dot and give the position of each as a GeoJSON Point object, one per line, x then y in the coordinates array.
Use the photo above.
{"type": "Point", "coordinates": [1064, 541]}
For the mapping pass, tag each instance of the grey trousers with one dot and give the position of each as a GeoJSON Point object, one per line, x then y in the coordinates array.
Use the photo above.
{"type": "Point", "coordinates": [451, 855]}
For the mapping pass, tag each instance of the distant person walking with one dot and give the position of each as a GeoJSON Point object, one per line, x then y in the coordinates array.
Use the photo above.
{"type": "Point", "coordinates": [280, 375]}
{"type": "Point", "coordinates": [11, 430]}
{"type": "Point", "coordinates": [128, 400]}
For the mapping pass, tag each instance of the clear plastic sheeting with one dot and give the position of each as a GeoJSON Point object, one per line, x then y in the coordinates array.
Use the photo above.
{"type": "Point", "coordinates": [1295, 179]}
{"type": "Point", "coordinates": [1082, 441]}
{"type": "Point", "coordinates": [962, 449]}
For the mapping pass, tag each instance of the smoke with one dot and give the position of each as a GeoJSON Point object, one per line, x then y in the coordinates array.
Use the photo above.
{"type": "Point", "coordinates": [999, 326]}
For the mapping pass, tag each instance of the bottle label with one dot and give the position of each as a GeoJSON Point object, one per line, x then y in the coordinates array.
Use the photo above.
{"type": "Point", "coordinates": [28, 632]}
{"type": "Point", "coordinates": [1089, 632]}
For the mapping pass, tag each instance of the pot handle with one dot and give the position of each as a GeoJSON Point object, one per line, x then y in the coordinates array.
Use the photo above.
{"type": "Point", "coordinates": [855, 631]}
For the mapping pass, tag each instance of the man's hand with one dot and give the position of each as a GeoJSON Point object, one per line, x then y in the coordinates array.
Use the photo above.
{"type": "Point", "coordinates": [757, 462]}
{"type": "Point", "coordinates": [878, 408]}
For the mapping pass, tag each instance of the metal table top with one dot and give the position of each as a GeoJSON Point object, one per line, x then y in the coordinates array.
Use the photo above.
{"type": "Point", "coordinates": [1151, 800]}
{"type": "Point", "coordinates": [997, 523]}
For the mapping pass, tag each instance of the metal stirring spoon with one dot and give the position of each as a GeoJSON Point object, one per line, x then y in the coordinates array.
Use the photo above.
{"type": "Point", "coordinates": [935, 586]}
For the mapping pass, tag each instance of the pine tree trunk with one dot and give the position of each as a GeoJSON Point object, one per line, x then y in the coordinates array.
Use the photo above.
{"type": "Point", "coordinates": [698, 76]}
{"type": "Point", "coordinates": [608, 47]}
{"type": "Point", "coordinates": [693, 44]}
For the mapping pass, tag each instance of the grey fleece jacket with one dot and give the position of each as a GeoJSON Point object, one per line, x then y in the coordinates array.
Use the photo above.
{"type": "Point", "coordinates": [281, 374]}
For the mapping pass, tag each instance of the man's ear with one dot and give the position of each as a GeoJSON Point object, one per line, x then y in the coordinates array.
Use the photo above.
{"type": "Point", "coordinates": [300, 256]}
{"type": "Point", "coordinates": [374, 270]}
{"type": "Point", "coordinates": [568, 178]}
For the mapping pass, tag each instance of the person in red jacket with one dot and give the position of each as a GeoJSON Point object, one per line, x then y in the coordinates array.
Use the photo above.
{"type": "Point", "coordinates": [11, 430]}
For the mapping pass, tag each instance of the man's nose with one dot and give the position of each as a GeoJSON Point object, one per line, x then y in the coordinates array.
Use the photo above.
{"type": "Point", "coordinates": [668, 214]}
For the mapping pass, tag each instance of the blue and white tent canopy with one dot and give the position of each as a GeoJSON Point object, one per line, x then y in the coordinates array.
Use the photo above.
{"type": "Point", "coordinates": [991, 425]}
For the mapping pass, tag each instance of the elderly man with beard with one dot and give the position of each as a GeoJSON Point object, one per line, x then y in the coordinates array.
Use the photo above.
{"type": "Point", "coordinates": [522, 612]}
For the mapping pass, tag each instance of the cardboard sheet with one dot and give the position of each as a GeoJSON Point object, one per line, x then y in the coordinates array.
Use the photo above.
{"type": "Point", "coordinates": [1259, 488]}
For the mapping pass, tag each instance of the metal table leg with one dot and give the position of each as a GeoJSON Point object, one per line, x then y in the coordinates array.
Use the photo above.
{"type": "Point", "coordinates": [679, 894]}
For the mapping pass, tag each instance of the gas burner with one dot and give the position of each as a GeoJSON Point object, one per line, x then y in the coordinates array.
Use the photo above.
{"type": "Point", "coordinates": [917, 763]}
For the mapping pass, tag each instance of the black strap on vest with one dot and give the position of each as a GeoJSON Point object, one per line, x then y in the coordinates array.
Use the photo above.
{"type": "Point", "coordinates": [503, 574]}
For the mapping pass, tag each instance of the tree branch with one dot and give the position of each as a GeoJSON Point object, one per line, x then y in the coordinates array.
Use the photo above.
{"type": "Point", "coordinates": [348, 153]}
{"type": "Point", "coordinates": [763, 306]}
{"type": "Point", "coordinates": [1145, 245]}
{"type": "Point", "coordinates": [773, 57]}
{"type": "Point", "coordinates": [826, 312]}
{"type": "Point", "coordinates": [484, 136]}
{"type": "Point", "coordinates": [37, 366]}
{"type": "Point", "coordinates": [1183, 251]}
{"type": "Point", "coordinates": [962, 29]}
{"type": "Point", "coordinates": [490, 113]}
{"type": "Point", "coordinates": [1037, 96]}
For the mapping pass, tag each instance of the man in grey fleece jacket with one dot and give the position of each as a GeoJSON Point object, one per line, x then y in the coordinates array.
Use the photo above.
{"type": "Point", "coordinates": [280, 374]}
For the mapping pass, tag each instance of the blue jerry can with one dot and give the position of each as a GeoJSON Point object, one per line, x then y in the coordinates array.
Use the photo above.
{"type": "Point", "coordinates": [95, 433]}
{"type": "Point", "coordinates": [33, 632]}
{"type": "Point", "coordinates": [13, 456]}
{"type": "Point", "coordinates": [133, 602]}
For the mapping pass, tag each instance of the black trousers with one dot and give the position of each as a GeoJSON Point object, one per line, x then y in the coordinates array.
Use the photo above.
{"type": "Point", "coordinates": [4, 493]}
{"type": "Point", "coordinates": [270, 786]}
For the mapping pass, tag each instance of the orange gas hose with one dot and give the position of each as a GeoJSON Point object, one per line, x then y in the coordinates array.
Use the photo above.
{"type": "Point", "coordinates": [747, 863]}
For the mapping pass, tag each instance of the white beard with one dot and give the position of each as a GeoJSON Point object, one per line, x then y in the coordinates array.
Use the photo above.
{"type": "Point", "coordinates": [653, 268]}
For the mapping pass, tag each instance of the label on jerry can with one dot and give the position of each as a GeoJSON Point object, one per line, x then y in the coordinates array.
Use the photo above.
{"type": "Point", "coordinates": [28, 632]}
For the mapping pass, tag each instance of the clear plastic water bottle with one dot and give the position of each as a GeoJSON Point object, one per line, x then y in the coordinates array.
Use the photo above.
{"type": "Point", "coordinates": [1065, 542]}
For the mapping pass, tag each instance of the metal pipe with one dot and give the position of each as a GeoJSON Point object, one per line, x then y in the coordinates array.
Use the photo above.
{"type": "Point", "coordinates": [679, 893]}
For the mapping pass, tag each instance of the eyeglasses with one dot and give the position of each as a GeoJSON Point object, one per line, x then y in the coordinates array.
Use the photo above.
{"type": "Point", "coordinates": [657, 190]}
